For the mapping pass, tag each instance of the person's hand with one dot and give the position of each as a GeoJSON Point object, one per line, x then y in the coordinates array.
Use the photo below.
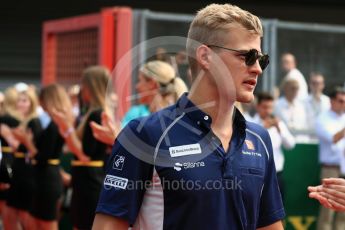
{"type": "Point", "coordinates": [83, 158]}
{"type": "Point", "coordinates": [26, 137]}
{"type": "Point", "coordinates": [59, 118]}
{"type": "Point", "coordinates": [270, 122]}
{"type": "Point", "coordinates": [107, 132]}
{"type": "Point", "coordinates": [330, 194]}
{"type": "Point", "coordinates": [275, 123]}
{"type": "Point", "coordinates": [21, 134]}
{"type": "Point", "coordinates": [66, 178]}
{"type": "Point", "coordinates": [315, 193]}
{"type": "Point", "coordinates": [102, 134]}
{"type": "Point", "coordinates": [7, 134]}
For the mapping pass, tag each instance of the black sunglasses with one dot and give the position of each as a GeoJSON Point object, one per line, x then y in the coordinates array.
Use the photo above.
{"type": "Point", "coordinates": [250, 56]}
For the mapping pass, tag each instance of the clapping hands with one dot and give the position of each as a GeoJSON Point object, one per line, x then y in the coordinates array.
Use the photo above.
{"type": "Point", "coordinates": [107, 131]}
{"type": "Point", "coordinates": [331, 193]}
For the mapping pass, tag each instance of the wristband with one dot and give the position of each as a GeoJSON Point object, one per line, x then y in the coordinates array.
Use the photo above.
{"type": "Point", "coordinates": [68, 132]}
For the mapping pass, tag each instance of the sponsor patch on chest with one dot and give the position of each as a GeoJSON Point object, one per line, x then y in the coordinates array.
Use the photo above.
{"type": "Point", "coordinates": [184, 150]}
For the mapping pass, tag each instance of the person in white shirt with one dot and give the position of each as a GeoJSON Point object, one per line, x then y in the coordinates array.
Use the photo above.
{"type": "Point", "coordinates": [316, 102]}
{"type": "Point", "coordinates": [330, 129]}
{"type": "Point", "coordinates": [279, 133]}
{"type": "Point", "coordinates": [289, 66]}
{"type": "Point", "coordinates": [290, 110]}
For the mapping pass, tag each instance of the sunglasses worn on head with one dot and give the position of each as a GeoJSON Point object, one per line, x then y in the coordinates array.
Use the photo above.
{"type": "Point", "coordinates": [250, 56]}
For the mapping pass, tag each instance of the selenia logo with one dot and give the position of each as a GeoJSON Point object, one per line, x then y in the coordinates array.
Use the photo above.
{"type": "Point", "coordinates": [188, 165]}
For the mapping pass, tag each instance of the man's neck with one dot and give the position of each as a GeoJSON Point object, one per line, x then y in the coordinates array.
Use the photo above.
{"type": "Point", "coordinates": [316, 96]}
{"type": "Point", "coordinates": [338, 112]}
{"type": "Point", "coordinates": [220, 109]}
{"type": "Point", "coordinates": [290, 100]}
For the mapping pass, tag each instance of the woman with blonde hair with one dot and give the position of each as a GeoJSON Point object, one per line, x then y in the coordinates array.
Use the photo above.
{"type": "Point", "coordinates": [157, 88]}
{"type": "Point", "coordinates": [87, 168]}
{"type": "Point", "coordinates": [48, 185]}
{"type": "Point", "coordinates": [21, 186]}
{"type": "Point", "coordinates": [8, 120]}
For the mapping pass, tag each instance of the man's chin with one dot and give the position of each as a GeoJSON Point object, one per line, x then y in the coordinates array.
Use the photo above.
{"type": "Point", "coordinates": [245, 98]}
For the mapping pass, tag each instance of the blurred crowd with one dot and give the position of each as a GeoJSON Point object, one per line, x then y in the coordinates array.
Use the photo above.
{"type": "Point", "coordinates": [37, 126]}
{"type": "Point", "coordinates": [297, 115]}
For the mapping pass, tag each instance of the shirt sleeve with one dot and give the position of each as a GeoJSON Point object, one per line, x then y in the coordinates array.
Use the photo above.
{"type": "Point", "coordinates": [278, 108]}
{"type": "Point", "coordinates": [288, 140]}
{"type": "Point", "coordinates": [127, 176]}
{"type": "Point", "coordinates": [271, 205]}
{"type": "Point", "coordinates": [322, 132]}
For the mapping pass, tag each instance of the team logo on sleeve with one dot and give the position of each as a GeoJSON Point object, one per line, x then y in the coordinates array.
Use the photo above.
{"type": "Point", "coordinates": [115, 181]}
{"type": "Point", "coordinates": [119, 161]}
{"type": "Point", "coordinates": [250, 145]}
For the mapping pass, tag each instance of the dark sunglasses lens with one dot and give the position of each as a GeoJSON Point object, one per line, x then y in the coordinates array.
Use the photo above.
{"type": "Point", "coordinates": [264, 61]}
{"type": "Point", "coordinates": [251, 57]}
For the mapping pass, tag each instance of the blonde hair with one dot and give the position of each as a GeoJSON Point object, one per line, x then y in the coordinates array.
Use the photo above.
{"type": "Point", "coordinates": [96, 79]}
{"type": "Point", "coordinates": [211, 24]}
{"type": "Point", "coordinates": [164, 74]}
{"type": "Point", "coordinates": [170, 86]}
{"type": "Point", "coordinates": [54, 96]}
{"type": "Point", "coordinates": [10, 102]}
{"type": "Point", "coordinates": [160, 71]}
{"type": "Point", "coordinates": [31, 94]}
{"type": "Point", "coordinates": [180, 87]}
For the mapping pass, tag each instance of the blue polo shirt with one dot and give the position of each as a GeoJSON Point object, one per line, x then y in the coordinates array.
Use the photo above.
{"type": "Point", "coordinates": [170, 171]}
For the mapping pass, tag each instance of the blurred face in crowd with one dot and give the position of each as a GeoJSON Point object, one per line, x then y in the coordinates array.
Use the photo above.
{"type": "Point", "coordinates": [244, 77]}
{"type": "Point", "coordinates": [181, 57]}
{"type": "Point", "coordinates": [338, 103]}
{"type": "Point", "coordinates": [265, 108]}
{"type": "Point", "coordinates": [146, 88]}
{"type": "Point", "coordinates": [288, 62]}
{"type": "Point", "coordinates": [23, 104]}
{"type": "Point", "coordinates": [161, 54]}
{"type": "Point", "coordinates": [316, 84]}
{"type": "Point", "coordinates": [291, 90]}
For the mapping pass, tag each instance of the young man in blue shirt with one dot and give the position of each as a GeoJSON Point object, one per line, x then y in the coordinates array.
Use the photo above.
{"type": "Point", "coordinates": [198, 164]}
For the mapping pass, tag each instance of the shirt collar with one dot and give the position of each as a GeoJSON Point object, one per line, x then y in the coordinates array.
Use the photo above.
{"type": "Point", "coordinates": [335, 115]}
{"type": "Point", "coordinates": [184, 105]}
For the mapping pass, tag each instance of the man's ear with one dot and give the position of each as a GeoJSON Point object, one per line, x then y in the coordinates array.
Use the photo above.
{"type": "Point", "coordinates": [203, 56]}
